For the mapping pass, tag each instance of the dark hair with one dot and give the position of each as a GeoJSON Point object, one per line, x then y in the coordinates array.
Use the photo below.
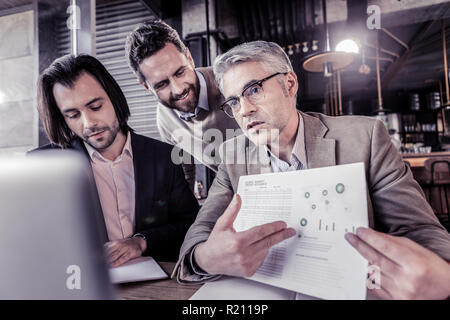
{"type": "Point", "coordinates": [148, 38]}
{"type": "Point", "coordinates": [66, 70]}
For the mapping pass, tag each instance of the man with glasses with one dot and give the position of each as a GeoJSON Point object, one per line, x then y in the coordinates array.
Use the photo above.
{"type": "Point", "coordinates": [260, 88]}
{"type": "Point", "coordinates": [188, 113]}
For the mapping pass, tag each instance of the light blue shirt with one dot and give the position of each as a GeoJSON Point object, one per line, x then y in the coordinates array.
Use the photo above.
{"type": "Point", "coordinates": [279, 165]}
{"type": "Point", "coordinates": [298, 156]}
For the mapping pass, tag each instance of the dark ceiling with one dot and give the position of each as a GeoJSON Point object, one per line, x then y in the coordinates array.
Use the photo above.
{"type": "Point", "coordinates": [417, 23]}
{"type": "Point", "coordinates": [9, 4]}
{"type": "Point", "coordinates": [415, 64]}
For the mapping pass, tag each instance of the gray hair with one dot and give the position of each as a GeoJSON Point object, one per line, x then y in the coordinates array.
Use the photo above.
{"type": "Point", "coordinates": [269, 54]}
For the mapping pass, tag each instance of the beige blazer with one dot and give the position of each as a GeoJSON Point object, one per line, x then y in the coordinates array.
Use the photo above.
{"type": "Point", "coordinates": [396, 203]}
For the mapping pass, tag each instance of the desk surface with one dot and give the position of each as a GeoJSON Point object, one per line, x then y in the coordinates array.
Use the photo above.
{"type": "Point", "coordinates": [418, 160]}
{"type": "Point", "coordinates": [167, 289]}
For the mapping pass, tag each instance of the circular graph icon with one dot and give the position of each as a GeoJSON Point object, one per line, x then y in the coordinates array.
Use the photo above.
{"type": "Point", "coordinates": [340, 188]}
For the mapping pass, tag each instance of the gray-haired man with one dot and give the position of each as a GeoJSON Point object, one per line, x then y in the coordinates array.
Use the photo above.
{"type": "Point", "coordinates": [260, 88]}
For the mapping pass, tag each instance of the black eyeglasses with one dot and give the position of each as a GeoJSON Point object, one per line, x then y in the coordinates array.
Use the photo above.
{"type": "Point", "coordinates": [253, 92]}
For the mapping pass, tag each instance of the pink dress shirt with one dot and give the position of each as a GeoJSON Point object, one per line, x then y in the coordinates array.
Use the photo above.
{"type": "Point", "coordinates": [116, 190]}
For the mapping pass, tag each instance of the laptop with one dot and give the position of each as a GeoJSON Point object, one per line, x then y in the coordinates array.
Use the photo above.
{"type": "Point", "coordinates": [50, 246]}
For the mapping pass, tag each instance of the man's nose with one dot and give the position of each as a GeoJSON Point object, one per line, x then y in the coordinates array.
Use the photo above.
{"type": "Point", "coordinates": [176, 87]}
{"type": "Point", "coordinates": [247, 108]}
{"type": "Point", "coordinates": [89, 121]}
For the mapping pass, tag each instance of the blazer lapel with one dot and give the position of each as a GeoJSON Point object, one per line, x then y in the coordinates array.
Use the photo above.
{"type": "Point", "coordinates": [320, 152]}
{"type": "Point", "coordinates": [143, 161]}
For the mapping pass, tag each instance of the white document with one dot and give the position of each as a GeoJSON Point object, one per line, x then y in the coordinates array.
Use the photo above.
{"type": "Point", "coordinates": [322, 205]}
{"type": "Point", "coordinates": [139, 269]}
{"type": "Point", "coordinates": [232, 288]}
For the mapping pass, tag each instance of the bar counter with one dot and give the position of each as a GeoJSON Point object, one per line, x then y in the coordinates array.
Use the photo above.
{"type": "Point", "coordinates": [418, 159]}
{"type": "Point", "coordinates": [417, 163]}
{"type": "Point", "coordinates": [436, 186]}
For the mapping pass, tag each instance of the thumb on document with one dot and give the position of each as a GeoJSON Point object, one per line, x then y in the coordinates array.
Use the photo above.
{"type": "Point", "coordinates": [229, 215]}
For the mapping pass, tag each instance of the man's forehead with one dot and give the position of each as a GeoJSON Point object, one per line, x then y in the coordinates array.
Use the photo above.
{"type": "Point", "coordinates": [238, 76]}
{"type": "Point", "coordinates": [84, 82]}
{"type": "Point", "coordinates": [83, 90]}
{"type": "Point", "coordinates": [155, 75]}
{"type": "Point", "coordinates": [163, 63]}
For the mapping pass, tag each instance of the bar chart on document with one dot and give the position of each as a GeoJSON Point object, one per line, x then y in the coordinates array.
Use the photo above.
{"type": "Point", "coordinates": [322, 205]}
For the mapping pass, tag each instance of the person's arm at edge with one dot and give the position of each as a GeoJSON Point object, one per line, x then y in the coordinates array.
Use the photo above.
{"type": "Point", "coordinates": [400, 208]}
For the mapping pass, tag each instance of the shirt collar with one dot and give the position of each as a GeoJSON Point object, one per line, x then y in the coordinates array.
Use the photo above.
{"type": "Point", "coordinates": [298, 156]}
{"type": "Point", "coordinates": [94, 154]}
{"type": "Point", "coordinates": [202, 100]}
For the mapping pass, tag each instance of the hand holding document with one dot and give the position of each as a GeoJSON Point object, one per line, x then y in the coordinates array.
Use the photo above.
{"type": "Point", "coordinates": [322, 205]}
{"type": "Point", "coordinates": [139, 269]}
{"type": "Point", "coordinates": [238, 253]}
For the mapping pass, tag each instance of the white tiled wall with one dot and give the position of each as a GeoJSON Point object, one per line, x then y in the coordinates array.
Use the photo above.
{"type": "Point", "coordinates": [17, 83]}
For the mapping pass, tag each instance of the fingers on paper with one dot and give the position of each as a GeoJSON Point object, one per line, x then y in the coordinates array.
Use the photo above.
{"type": "Point", "coordinates": [375, 257]}
{"type": "Point", "coordinates": [227, 218]}
{"type": "Point", "coordinates": [390, 246]}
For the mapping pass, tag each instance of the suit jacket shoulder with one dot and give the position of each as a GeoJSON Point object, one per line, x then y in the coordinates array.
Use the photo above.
{"type": "Point", "coordinates": [143, 143]}
{"type": "Point", "coordinates": [49, 146]}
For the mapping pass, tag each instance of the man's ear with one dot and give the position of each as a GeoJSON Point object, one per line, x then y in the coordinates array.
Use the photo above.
{"type": "Point", "coordinates": [189, 57]}
{"type": "Point", "coordinates": [147, 87]}
{"type": "Point", "coordinates": [292, 83]}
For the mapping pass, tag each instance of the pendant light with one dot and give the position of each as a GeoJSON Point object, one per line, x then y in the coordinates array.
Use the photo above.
{"type": "Point", "coordinates": [380, 110]}
{"type": "Point", "coordinates": [327, 61]}
{"type": "Point", "coordinates": [330, 62]}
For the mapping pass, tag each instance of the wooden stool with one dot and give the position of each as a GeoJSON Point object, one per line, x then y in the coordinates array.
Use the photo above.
{"type": "Point", "coordinates": [439, 188]}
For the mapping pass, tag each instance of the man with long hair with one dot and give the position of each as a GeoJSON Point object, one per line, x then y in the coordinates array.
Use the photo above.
{"type": "Point", "coordinates": [146, 202]}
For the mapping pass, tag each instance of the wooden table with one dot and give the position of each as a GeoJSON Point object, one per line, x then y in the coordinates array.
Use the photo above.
{"type": "Point", "coordinates": [167, 289]}
{"type": "Point", "coordinates": [417, 160]}
{"type": "Point", "coordinates": [417, 163]}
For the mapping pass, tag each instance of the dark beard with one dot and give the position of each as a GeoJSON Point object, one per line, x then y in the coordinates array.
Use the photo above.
{"type": "Point", "coordinates": [105, 144]}
{"type": "Point", "coordinates": [187, 107]}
